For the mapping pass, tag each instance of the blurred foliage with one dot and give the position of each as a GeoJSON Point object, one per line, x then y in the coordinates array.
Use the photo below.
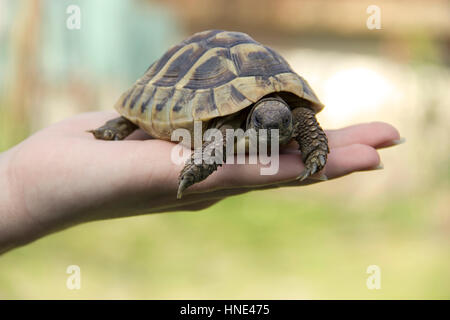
{"type": "Point", "coordinates": [293, 244]}
{"type": "Point", "coordinates": [12, 131]}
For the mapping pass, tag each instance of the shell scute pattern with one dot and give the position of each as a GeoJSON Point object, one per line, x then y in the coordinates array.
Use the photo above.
{"type": "Point", "coordinates": [256, 60]}
{"type": "Point", "coordinates": [201, 36]}
{"type": "Point", "coordinates": [159, 64]}
{"type": "Point", "coordinates": [211, 74]}
{"type": "Point", "coordinates": [148, 99]}
{"type": "Point", "coordinates": [180, 65]}
{"type": "Point", "coordinates": [212, 70]}
{"type": "Point", "coordinates": [228, 39]}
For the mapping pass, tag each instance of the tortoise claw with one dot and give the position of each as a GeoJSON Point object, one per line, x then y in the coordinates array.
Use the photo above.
{"type": "Point", "coordinates": [305, 174]}
{"type": "Point", "coordinates": [322, 160]}
{"type": "Point", "coordinates": [313, 164]}
{"type": "Point", "coordinates": [181, 187]}
{"type": "Point", "coordinates": [314, 168]}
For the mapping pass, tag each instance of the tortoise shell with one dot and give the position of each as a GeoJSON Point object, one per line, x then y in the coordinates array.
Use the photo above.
{"type": "Point", "coordinates": [211, 74]}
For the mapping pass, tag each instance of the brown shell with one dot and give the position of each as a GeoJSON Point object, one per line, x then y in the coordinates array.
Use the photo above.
{"type": "Point", "coordinates": [211, 74]}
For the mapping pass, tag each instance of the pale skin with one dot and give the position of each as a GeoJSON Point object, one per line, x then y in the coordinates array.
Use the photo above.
{"type": "Point", "coordinates": [62, 176]}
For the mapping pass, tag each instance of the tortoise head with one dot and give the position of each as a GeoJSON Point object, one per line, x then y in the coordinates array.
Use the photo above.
{"type": "Point", "coordinates": [271, 113]}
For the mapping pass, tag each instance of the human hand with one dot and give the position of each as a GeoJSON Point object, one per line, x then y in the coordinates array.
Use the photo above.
{"type": "Point", "coordinates": [62, 176]}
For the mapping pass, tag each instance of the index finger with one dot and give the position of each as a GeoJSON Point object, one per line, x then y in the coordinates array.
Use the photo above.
{"type": "Point", "coordinates": [374, 134]}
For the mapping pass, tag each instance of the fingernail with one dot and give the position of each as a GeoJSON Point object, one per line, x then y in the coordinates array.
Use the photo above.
{"type": "Point", "coordinates": [399, 141]}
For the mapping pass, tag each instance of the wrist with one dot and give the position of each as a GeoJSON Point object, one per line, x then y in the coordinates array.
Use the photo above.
{"type": "Point", "coordinates": [16, 225]}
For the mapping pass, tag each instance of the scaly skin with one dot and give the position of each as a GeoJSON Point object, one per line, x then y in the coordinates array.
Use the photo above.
{"type": "Point", "coordinates": [193, 173]}
{"type": "Point", "coordinates": [312, 140]}
{"type": "Point", "coordinates": [115, 129]}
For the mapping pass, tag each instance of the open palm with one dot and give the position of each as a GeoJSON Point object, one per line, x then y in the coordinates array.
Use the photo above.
{"type": "Point", "coordinates": [62, 176]}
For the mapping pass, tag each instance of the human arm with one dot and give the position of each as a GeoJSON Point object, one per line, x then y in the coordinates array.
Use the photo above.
{"type": "Point", "coordinates": [61, 176]}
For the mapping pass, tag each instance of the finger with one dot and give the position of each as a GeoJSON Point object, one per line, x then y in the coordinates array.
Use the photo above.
{"type": "Point", "coordinates": [373, 134]}
{"type": "Point", "coordinates": [356, 157]}
{"type": "Point", "coordinates": [391, 143]}
{"type": "Point", "coordinates": [231, 176]}
{"type": "Point", "coordinates": [342, 161]}
{"type": "Point", "coordinates": [236, 179]}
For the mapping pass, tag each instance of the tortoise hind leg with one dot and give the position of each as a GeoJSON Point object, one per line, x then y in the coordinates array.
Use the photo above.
{"type": "Point", "coordinates": [312, 140]}
{"type": "Point", "coordinates": [115, 129]}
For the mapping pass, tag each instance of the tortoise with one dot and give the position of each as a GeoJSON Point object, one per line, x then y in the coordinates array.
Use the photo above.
{"type": "Point", "coordinates": [226, 80]}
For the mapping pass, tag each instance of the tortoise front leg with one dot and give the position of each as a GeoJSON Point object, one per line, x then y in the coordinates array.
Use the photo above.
{"type": "Point", "coordinates": [193, 173]}
{"type": "Point", "coordinates": [115, 129]}
{"type": "Point", "coordinates": [312, 140]}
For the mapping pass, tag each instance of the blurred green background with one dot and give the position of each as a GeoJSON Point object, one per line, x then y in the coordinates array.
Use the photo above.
{"type": "Point", "coordinates": [298, 243]}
